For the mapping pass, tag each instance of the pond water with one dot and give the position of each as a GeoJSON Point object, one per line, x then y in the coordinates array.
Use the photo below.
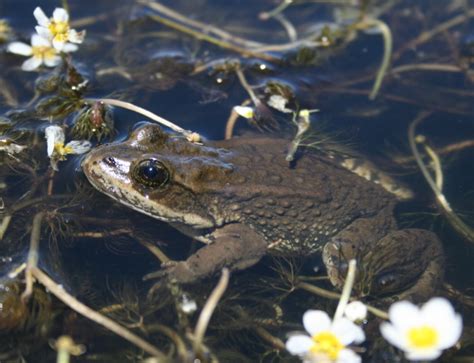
{"type": "Point", "coordinates": [368, 71]}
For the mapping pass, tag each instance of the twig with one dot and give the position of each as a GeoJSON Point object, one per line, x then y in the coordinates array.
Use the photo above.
{"type": "Point", "coordinates": [157, 252]}
{"type": "Point", "coordinates": [436, 162]}
{"type": "Point", "coordinates": [65, 5]}
{"type": "Point", "coordinates": [289, 28]}
{"type": "Point", "coordinates": [432, 67]}
{"type": "Point", "coordinates": [66, 347]}
{"type": "Point", "coordinates": [335, 296]}
{"type": "Point", "coordinates": [181, 348]}
{"type": "Point", "coordinates": [105, 234]}
{"type": "Point", "coordinates": [265, 335]}
{"type": "Point", "coordinates": [377, 312]}
{"type": "Point", "coordinates": [4, 225]}
{"type": "Point", "coordinates": [232, 120]}
{"type": "Point", "coordinates": [205, 28]}
{"type": "Point", "coordinates": [318, 291]}
{"type": "Point", "coordinates": [448, 149]}
{"type": "Point", "coordinates": [425, 36]}
{"type": "Point", "coordinates": [243, 81]}
{"type": "Point", "coordinates": [276, 11]}
{"type": "Point", "coordinates": [387, 52]}
{"type": "Point", "coordinates": [210, 39]}
{"type": "Point", "coordinates": [346, 290]}
{"type": "Point", "coordinates": [93, 315]}
{"type": "Point", "coordinates": [208, 309]}
{"type": "Point", "coordinates": [32, 260]}
{"type": "Point", "coordinates": [456, 222]}
{"type": "Point", "coordinates": [191, 136]}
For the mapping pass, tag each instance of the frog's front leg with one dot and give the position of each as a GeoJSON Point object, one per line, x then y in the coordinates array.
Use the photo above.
{"type": "Point", "coordinates": [235, 246]}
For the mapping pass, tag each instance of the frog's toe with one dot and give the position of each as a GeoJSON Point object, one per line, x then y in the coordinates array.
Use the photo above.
{"type": "Point", "coordinates": [162, 272]}
{"type": "Point", "coordinates": [173, 271]}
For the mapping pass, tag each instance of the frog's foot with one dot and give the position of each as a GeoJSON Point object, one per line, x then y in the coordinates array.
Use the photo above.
{"type": "Point", "coordinates": [235, 246]}
{"type": "Point", "coordinates": [403, 264]}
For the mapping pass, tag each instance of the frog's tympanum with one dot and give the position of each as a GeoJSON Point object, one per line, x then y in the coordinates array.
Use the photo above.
{"type": "Point", "coordinates": [243, 200]}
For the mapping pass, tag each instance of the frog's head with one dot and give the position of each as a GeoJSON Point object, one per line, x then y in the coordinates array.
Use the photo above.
{"type": "Point", "coordinates": [160, 174]}
{"type": "Point", "coordinates": [405, 264]}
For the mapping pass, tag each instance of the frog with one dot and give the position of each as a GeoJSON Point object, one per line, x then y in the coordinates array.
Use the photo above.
{"type": "Point", "coordinates": [244, 200]}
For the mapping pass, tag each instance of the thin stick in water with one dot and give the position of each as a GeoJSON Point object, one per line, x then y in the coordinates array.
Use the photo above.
{"type": "Point", "coordinates": [209, 308]}
{"type": "Point", "coordinates": [93, 315]}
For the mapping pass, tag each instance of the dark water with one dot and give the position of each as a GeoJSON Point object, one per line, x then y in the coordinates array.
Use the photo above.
{"type": "Point", "coordinates": [130, 56]}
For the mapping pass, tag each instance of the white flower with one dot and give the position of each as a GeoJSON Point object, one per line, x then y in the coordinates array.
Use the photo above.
{"type": "Point", "coordinates": [328, 339]}
{"type": "Point", "coordinates": [355, 311]}
{"type": "Point", "coordinates": [55, 145]}
{"type": "Point", "coordinates": [187, 305]}
{"type": "Point", "coordinates": [279, 103]}
{"type": "Point", "coordinates": [57, 29]}
{"type": "Point", "coordinates": [244, 111]}
{"type": "Point", "coordinates": [40, 52]}
{"type": "Point", "coordinates": [9, 146]}
{"type": "Point", "coordinates": [422, 333]}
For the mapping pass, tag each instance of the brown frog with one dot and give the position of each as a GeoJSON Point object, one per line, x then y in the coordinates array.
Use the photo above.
{"type": "Point", "coordinates": [243, 199]}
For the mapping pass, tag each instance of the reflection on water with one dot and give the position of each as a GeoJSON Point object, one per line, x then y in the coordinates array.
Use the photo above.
{"type": "Point", "coordinates": [370, 69]}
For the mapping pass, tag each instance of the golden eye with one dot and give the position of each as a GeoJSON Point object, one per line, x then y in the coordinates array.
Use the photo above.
{"type": "Point", "coordinates": [151, 173]}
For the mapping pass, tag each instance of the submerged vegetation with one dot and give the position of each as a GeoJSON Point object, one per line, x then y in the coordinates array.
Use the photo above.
{"type": "Point", "coordinates": [391, 75]}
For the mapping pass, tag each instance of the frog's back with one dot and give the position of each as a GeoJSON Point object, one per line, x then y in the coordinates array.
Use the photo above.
{"type": "Point", "coordinates": [296, 207]}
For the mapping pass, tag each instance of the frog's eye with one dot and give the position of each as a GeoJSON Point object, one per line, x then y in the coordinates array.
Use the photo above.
{"type": "Point", "coordinates": [151, 173]}
{"type": "Point", "coordinates": [389, 282]}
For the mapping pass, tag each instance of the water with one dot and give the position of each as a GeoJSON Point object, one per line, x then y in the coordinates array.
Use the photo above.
{"type": "Point", "coordinates": [89, 243]}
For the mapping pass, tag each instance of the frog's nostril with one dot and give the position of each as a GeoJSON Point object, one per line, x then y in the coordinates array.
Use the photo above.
{"type": "Point", "coordinates": [110, 161]}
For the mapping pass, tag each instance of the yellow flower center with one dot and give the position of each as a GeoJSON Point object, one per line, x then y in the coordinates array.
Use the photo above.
{"type": "Point", "coordinates": [62, 150]}
{"type": "Point", "coordinates": [422, 337]}
{"type": "Point", "coordinates": [43, 52]}
{"type": "Point", "coordinates": [326, 344]}
{"type": "Point", "coordinates": [59, 30]}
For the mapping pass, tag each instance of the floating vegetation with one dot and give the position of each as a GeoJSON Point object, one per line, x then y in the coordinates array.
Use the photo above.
{"type": "Point", "coordinates": [76, 266]}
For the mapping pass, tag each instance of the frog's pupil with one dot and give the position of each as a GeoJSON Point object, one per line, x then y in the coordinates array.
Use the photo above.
{"type": "Point", "coordinates": [152, 173]}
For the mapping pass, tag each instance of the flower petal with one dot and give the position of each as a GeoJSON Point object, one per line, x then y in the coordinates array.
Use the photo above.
{"type": "Point", "coordinates": [315, 321]}
{"type": "Point", "coordinates": [53, 61]}
{"type": "Point", "coordinates": [58, 44]}
{"type": "Point", "coordinates": [76, 37]}
{"type": "Point", "coordinates": [393, 336]}
{"type": "Point", "coordinates": [41, 17]}
{"type": "Point", "coordinates": [439, 313]}
{"type": "Point", "coordinates": [20, 48]}
{"type": "Point", "coordinates": [244, 111]}
{"type": "Point", "coordinates": [355, 311]}
{"type": "Point", "coordinates": [424, 355]}
{"type": "Point", "coordinates": [450, 333]}
{"type": "Point", "coordinates": [54, 135]}
{"type": "Point", "coordinates": [348, 356]}
{"type": "Point", "coordinates": [43, 32]}
{"type": "Point", "coordinates": [404, 315]}
{"type": "Point", "coordinates": [437, 307]}
{"type": "Point", "coordinates": [40, 41]}
{"type": "Point", "coordinates": [60, 15]}
{"type": "Point", "coordinates": [347, 332]}
{"type": "Point", "coordinates": [299, 344]}
{"type": "Point", "coordinates": [79, 146]}
{"type": "Point", "coordinates": [68, 48]}
{"type": "Point", "coordinates": [31, 64]}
